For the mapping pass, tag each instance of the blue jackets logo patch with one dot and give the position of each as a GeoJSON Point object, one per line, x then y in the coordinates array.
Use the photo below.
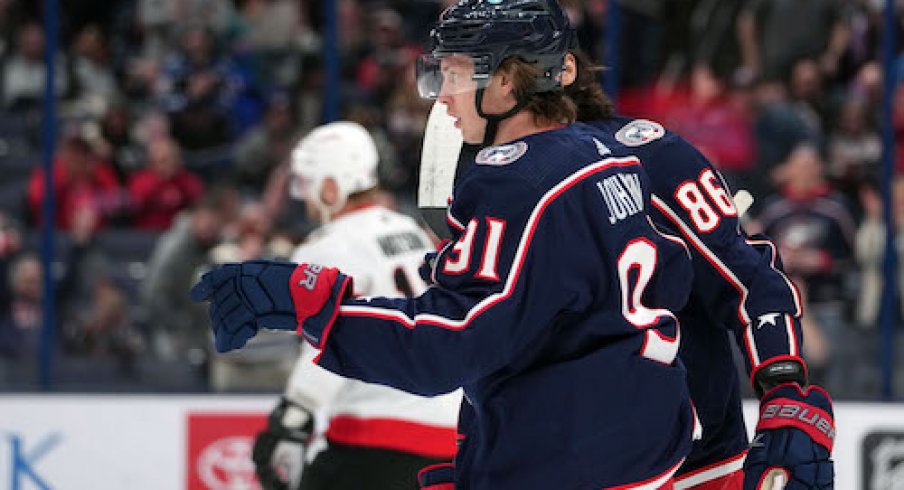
{"type": "Point", "coordinates": [640, 132]}
{"type": "Point", "coordinates": [501, 155]}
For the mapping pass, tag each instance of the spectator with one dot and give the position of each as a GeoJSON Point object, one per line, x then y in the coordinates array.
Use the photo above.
{"type": "Point", "coordinates": [702, 114]}
{"type": "Point", "coordinates": [164, 188]}
{"type": "Point", "coordinates": [25, 72]}
{"type": "Point", "coordinates": [22, 319]}
{"type": "Point", "coordinates": [266, 146]}
{"type": "Point", "coordinates": [209, 96]}
{"type": "Point", "coordinates": [778, 129]}
{"type": "Point", "coordinates": [10, 245]}
{"type": "Point", "coordinates": [855, 148]}
{"type": "Point", "coordinates": [117, 129]}
{"type": "Point", "coordinates": [81, 183]}
{"type": "Point", "coordinates": [380, 72]}
{"type": "Point", "coordinates": [772, 40]}
{"type": "Point", "coordinates": [176, 326]}
{"type": "Point", "coordinates": [814, 229]}
{"type": "Point", "coordinates": [92, 74]}
{"type": "Point", "coordinates": [870, 252]}
{"type": "Point", "coordinates": [105, 329]}
{"type": "Point", "coordinates": [808, 98]}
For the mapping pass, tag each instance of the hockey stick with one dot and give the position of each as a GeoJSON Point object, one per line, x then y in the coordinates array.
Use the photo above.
{"type": "Point", "coordinates": [742, 201]}
{"type": "Point", "coordinates": [439, 161]}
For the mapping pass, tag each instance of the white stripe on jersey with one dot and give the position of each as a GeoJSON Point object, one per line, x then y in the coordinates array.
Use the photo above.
{"type": "Point", "coordinates": [709, 473]}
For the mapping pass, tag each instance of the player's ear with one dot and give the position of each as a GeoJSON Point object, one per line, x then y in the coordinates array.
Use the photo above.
{"type": "Point", "coordinates": [329, 191]}
{"type": "Point", "coordinates": [506, 82]}
{"type": "Point", "coordinates": [570, 70]}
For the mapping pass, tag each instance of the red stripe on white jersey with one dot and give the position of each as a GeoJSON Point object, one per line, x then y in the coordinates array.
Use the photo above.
{"type": "Point", "coordinates": [514, 272]}
{"type": "Point", "coordinates": [721, 475]}
{"type": "Point", "coordinates": [399, 435]}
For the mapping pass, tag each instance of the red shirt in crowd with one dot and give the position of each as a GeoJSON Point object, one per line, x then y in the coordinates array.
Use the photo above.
{"type": "Point", "coordinates": [97, 189]}
{"type": "Point", "coordinates": [156, 200]}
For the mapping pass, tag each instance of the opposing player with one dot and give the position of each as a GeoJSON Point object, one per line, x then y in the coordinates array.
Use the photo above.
{"type": "Point", "coordinates": [551, 307]}
{"type": "Point", "coordinates": [738, 286]}
{"type": "Point", "coordinates": [378, 437]}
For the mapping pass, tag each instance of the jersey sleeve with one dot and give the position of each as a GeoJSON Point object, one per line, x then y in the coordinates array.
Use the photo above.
{"type": "Point", "coordinates": [740, 277]}
{"type": "Point", "coordinates": [492, 298]}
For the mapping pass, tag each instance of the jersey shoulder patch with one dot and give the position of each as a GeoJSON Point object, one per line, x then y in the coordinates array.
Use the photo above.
{"type": "Point", "coordinates": [501, 155]}
{"type": "Point", "coordinates": [639, 132]}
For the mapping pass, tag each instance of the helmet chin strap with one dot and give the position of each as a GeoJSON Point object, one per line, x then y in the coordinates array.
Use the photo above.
{"type": "Point", "coordinates": [493, 120]}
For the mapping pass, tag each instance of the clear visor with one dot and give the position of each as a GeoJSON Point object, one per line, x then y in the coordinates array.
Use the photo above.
{"type": "Point", "coordinates": [451, 74]}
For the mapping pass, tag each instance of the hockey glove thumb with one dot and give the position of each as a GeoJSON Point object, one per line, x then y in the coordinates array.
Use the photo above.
{"type": "Point", "coordinates": [287, 422]}
{"type": "Point", "coordinates": [248, 296]}
{"type": "Point", "coordinates": [793, 441]}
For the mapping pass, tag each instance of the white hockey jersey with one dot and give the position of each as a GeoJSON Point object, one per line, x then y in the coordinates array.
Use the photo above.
{"type": "Point", "coordinates": [382, 251]}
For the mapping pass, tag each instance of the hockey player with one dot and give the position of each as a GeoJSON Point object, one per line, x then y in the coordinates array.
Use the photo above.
{"type": "Point", "coordinates": [738, 286]}
{"type": "Point", "coordinates": [551, 307]}
{"type": "Point", "coordinates": [378, 437]}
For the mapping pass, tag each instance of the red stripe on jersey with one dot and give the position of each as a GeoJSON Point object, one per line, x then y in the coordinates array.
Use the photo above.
{"type": "Point", "coordinates": [436, 319]}
{"type": "Point", "coordinates": [399, 435]}
{"type": "Point", "coordinates": [662, 481]}
{"type": "Point", "coordinates": [722, 269]}
{"type": "Point", "coordinates": [726, 474]}
{"type": "Point", "coordinates": [792, 336]}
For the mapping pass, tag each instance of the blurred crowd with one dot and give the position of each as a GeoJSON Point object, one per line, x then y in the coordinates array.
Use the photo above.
{"type": "Point", "coordinates": [177, 118]}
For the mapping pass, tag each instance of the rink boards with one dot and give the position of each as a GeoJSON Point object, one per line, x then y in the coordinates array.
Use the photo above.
{"type": "Point", "coordinates": [204, 442]}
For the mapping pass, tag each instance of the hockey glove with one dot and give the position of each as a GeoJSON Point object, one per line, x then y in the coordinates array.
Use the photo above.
{"type": "Point", "coordinates": [793, 440]}
{"type": "Point", "coordinates": [437, 477]}
{"type": "Point", "coordinates": [287, 422]}
{"type": "Point", "coordinates": [257, 294]}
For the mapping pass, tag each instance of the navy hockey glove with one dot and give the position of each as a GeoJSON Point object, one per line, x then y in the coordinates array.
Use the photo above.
{"type": "Point", "coordinates": [437, 477]}
{"type": "Point", "coordinates": [287, 422]}
{"type": "Point", "coordinates": [257, 294]}
{"type": "Point", "coordinates": [793, 440]}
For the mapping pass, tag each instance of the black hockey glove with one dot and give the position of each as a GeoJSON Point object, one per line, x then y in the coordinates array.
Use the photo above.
{"type": "Point", "coordinates": [288, 422]}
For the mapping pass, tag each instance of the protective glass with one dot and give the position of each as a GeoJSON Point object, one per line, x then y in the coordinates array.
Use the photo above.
{"type": "Point", "coordinates": [452, 74]}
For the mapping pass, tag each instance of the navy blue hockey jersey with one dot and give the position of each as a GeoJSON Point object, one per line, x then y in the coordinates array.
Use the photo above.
{"type": "Point", "coordinates": [552, 310]}
{"type": "Point", "coordinates": [738, 285]}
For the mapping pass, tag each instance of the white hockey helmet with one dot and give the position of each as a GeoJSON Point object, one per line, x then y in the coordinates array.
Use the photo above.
{"type": "Point", "coordinates": [342, 150]}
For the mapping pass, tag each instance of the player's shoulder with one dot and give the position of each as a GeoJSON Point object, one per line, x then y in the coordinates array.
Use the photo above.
{"type": "Point", "coordinates": [655, 145]}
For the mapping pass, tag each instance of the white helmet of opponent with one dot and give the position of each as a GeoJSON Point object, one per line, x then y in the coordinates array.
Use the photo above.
{"type": "Point", "coordinates": [343, 151]}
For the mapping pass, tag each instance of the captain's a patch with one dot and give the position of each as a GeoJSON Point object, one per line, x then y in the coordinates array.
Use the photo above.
{"type": "Point", "coordinates": [639, 132]}
{"type": "Point", "coordinates": [501, 155]}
